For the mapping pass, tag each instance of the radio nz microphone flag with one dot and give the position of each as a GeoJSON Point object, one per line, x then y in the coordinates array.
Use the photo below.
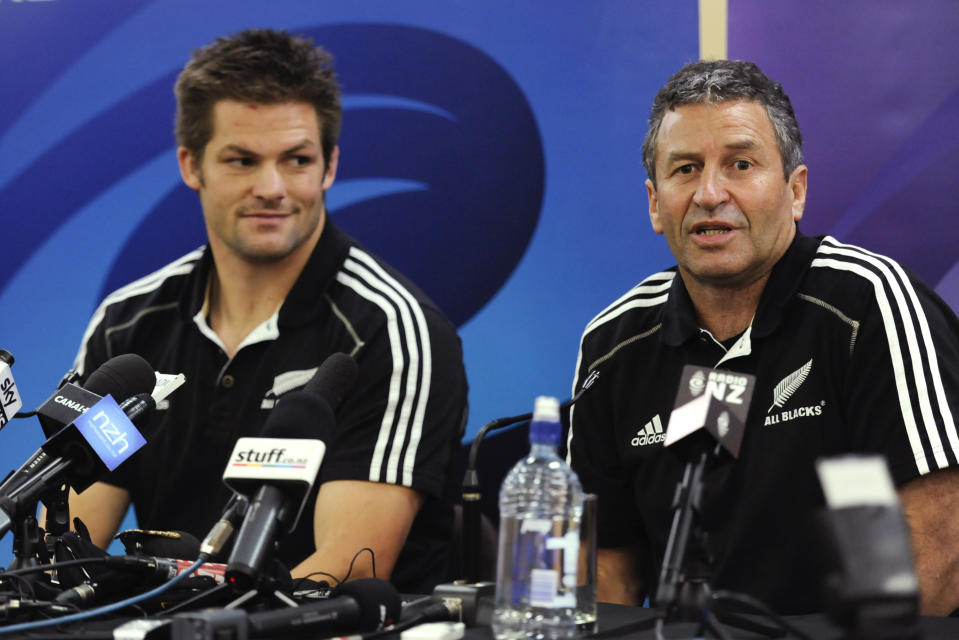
{"type": "Point", "coordinates": [714, 400]}
{"type": "Point", "coordinates": [10, 401]}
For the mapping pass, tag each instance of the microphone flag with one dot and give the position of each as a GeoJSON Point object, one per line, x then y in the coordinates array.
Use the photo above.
{"type": "Point", "coordinates": [109, 432]}
{"type": "Point", "coordinates": [714, 399]}
{"type": "Point", "coordinates": [10, 401]}
{"type": "Point", "coordinates": [292, 463]}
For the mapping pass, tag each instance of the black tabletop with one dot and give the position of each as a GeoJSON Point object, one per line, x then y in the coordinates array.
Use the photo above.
{"type": "Point", "coordinates": [636, 623]}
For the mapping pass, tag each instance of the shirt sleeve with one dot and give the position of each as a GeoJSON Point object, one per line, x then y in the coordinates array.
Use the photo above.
{"type": "Point", "coordinates": [93, 347]}
{"type": "Point", "coordinates": [903, 382]}
{"type": "Point", "coordinates": [593, 455]}
{"type": "Point", "coordinates": [93, 352]}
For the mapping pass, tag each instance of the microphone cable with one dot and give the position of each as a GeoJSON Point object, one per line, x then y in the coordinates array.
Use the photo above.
{"type": "Point", "coordinates": [110, 608]}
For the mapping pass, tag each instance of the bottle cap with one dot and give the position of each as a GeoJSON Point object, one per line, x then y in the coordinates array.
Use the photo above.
{"type": "Point", "coordinates": [545, 427]}
{"type": "Point", "coordinates": [546, 409]}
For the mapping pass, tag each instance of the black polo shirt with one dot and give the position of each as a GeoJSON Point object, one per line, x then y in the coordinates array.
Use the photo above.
{"type": "Point", "coordinates": [851, 353]}
{"type": "Point", "coordinates": [399, 424]}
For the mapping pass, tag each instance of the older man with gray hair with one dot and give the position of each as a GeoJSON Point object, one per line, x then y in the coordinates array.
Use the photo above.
{"type": "Point", "coordinates": [869, 354]}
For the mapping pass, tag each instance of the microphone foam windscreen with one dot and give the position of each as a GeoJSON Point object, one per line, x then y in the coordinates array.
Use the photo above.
{"type": "Point", "coordinates": [334, 378]}
{"type": "Point", "coordinates": [299, 414]}
{"type": "Point", "coordinates": [371, 594]}
{"type": "Point", "coordinates": [122, 376]}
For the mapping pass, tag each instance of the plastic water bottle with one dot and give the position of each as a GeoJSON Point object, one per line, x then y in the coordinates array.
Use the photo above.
{"type": "Point", "coordinates": [540, 505]}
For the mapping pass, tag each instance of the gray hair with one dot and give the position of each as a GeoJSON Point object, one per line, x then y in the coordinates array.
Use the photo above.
{"type": "Point", "coordinates": [712, 81]}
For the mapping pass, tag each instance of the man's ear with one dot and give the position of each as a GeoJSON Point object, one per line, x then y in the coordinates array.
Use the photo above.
{"type": "Point", "coordinates": [189, 168]}
{"type": "Point", "coordinates": [653, 206]}
{"type": "Point", "coordinates": [329, 176]}
{"type": "Point", "coordinates": [797, 187]}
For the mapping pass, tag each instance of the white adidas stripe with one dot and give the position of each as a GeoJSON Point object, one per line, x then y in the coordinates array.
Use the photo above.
{"type": "Point", "coordinates": [919, 349]}
{"type": "Point", "coordinates": [421, 393]}
{"type": "Point", "coordinates": [405, 325]}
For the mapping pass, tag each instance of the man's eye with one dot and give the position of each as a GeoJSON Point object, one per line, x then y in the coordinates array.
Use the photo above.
{"type": "Point", "coordinates": [240, 161]}
{"type": "Point", "coordinates": [685, 169]}
{"type": "Point", "coordinates": [743, 165]}
{"type": "Point", "coordinates": [302, 161]}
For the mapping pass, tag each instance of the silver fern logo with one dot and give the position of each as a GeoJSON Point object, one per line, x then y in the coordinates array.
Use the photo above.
{"type": "Point", "coordinates": [788, 385]}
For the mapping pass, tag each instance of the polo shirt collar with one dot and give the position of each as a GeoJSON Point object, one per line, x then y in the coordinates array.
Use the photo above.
{"type": "Point", "coordinates": [679, 317]}
{"type": "Point", "coordinates": [783, 284]}
{"type": "Point", "coordinates": [305, 300]}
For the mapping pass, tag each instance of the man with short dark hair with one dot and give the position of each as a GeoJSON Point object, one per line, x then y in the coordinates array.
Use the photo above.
{"type": "Point", "coordinates": [249, 317]}
{"type": "Point", "coordinates": [851, 353]}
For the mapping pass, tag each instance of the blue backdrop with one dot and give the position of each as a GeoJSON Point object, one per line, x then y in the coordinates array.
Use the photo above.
{"type": "Point", "coordinates": [490, 150]}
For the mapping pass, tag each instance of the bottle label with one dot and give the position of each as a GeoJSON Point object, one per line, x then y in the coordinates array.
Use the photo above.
{"type": "Point", "coordinates": [542, 588]}
{"type": "Point", "coordinates": [547, 563]}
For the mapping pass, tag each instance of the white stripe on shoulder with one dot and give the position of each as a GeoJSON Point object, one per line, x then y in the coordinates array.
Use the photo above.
{"type": "Point", "coordinates": [143, 285]}
{"type": "Point", "coordinates": [657, 285]}
{"type": "Point", "coordinates": [885, 275]}
{"type": "Point", "coordinates": [406, 325]}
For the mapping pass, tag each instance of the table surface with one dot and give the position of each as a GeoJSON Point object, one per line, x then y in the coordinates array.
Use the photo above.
{"type": "Point", "coordinates": [617, 621]}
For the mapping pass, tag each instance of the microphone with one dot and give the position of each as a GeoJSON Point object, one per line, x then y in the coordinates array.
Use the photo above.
{"type": "Point", "coordinates": [222, 531]}
{"type": "Point", "coordinates": [277, 471]}
{"type": "Point", "coordinates": [871, 588]}
{"type": "Point", "coordinates": [713, 400]}
{"type": "Point", "coordinates": [122, 376]}
{"type": "Point", "coordinates": [716, 402]}
{"type": "Point", "coordinates": [127, 376]}
{"type": "Point", "coordinates": [90, 445]}
{"type": "Point", "coordinates": [357, 606]}
{"type": "Point", "coordinates": [10, 401]}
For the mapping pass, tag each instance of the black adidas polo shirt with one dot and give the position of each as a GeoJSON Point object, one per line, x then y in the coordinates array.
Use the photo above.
{"type": "Point", "coordinates": [851, 354]}
{"type": "Point", "coordinates": [400, 424]}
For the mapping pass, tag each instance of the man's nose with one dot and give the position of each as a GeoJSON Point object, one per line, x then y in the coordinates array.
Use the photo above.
{"type": "Point", "coordinates": [269, 184]}
{"type": "Point", "coordinates": [711, 191]}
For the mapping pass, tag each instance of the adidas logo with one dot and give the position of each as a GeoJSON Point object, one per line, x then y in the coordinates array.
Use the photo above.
{"type": "Point", "coordinates": [651, 433]}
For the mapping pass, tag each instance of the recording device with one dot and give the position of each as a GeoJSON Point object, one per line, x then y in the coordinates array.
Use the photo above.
{"type": "Point", "coordinates": [716, 402]}
{"type": "Point", "coordinates": [473, 602]}
{"type": "Point", "coordinates": [276, 471]}
{"type": "Point", "coordinates": [871, 589]}
{"type": "Point", "coordinates": [10, 401]}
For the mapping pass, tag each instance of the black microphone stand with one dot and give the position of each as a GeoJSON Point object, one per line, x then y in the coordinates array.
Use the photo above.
{"type": "Point", "coordinates": [684, 593]}
{"type": "Point", "coordinates": [473, 492]}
